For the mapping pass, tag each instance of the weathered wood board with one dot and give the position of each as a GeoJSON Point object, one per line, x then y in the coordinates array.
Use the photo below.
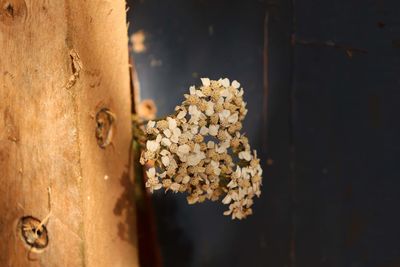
{"type": "Point", "coordinates": [60, 63]}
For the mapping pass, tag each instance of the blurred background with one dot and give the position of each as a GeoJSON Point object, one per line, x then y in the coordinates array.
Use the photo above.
{"type": "Point", "coordinates": [322, 82]}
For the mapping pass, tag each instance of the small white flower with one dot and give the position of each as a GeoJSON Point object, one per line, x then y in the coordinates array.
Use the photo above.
{"type": "Point", "coordinates": [195, 129]}
{"type": "Point", "coordinates": [233, 118]}
{"type": "Point", "coordinates": [181, 114]}
{"type": "Point", "coordinates": [174, 187]}
{"type": "Point", "coordinates": [164, 152]}
{"type": "Point", "coordinates": [186, 179]}
{"type": "Point", "coordinates": [192, 90]}
{"type": "Point", "coordinates": [246, 173]}
{"type": "Point", "coordinates": [167, 133]}
{"type": "Point", "coordinates": [171, 123]}
{"type": "Point", "coordinates": [195, 114]}
{"type": "Point", "coordinates": [235, 84]}
{"type": "Point", "coordinates": [226, 93]}
{"type": "Point", "coordinates": [165, 160]}
{"type": "Point", "coordinates": [151, 173]}
{"type": "Point", "coordinates": [151, 124]}
{"type": "Point", "coordinates": [228, 212]}
{"type": "Point", "coordinates": [245, 155]}
{"type": "Point", "coordinates": [210, 144]}
{"type": "Point", "coordinates": [194, 159]}
{"type": "Point", "coordinates": [227, 199]}
{"type": "Point", "coordinates": [220, 149]}
{"type": "Point", "coordinates": [183, 152]}
{"type": "Point", "coordinates": [193, 110]}
{"type": "Point", "coordinates": [175, 135]}
{"type": "Point", "coordinates": [232, 184]}
{"type": "Point", "coordinates": [237, 173]}
{"type": "Point", "coordinates": [210, 108]}
{"type": "Point", "coordinates": [216, 169]}
{"type": "Point", "coordinates": [224, 114]}
{"type": "Point", "coordinates": [205, 81]}
{"type": "Point", "coordinates": [177, 132]}
{"type": "Point", "coordinates": [213, 130]}
{"type": "Point", "coordinates": [199, 93]}
{"type": "Point", "coordinates": [152, 145]}
{"type": "Point", "coordinates": [153, 186]}
{"type": "Point", "coordinates": [175, 139]}
{"type": "Point", "coordinates": [204, 130]}
{"type": "Point", "coordinates": [196, 148]}
{"type": "Point", "coordinates": [166, 142]}
{"type": "Point", "coordinates": [183, 149]}
{"type": "Point", "coordinates": [225, 82]}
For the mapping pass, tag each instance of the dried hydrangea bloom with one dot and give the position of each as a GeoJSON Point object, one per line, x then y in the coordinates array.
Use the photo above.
{"type": "Point", "coordinates": [200, 150]}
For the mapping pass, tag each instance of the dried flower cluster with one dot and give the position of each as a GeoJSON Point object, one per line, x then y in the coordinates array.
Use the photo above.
{"type": "Point", "coordinates": [200, 150]}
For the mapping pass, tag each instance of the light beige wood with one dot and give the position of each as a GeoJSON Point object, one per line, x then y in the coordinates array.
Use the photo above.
{"type": "Point", "coordinates": [60, 62]}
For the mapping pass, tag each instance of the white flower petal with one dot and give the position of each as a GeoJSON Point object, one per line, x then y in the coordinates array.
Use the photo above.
{"type": "Point", "coordinates": [235, 84]}
{"type": "Point", "coordinates": [177, 132]}
{"type": "Point", "coordinates": [199, 93]}
{"type": "Point", "coordinates": [224, 114]}
{"type": "Point", "coordinates": [227, 199]}
{"type": "Point", "coordinates": [225, 82]}
{"type": "Point", "coordinates": [245, 155]}
{"type": "Point", "coordinates": [195, 129]}
{"type": "Point", "coordinates": [167, 133]}
{"type": "Point", "coordinates": [205, 81]}
{"type": "Point", "coordinates": [174, 187]}
{"type": "Point", "coordinates": [225, 93]}
{"type": "Point", "coordinates": [210, 108]}
{"type": "Point", "coordinates": [171, 123]}
{"type": "Point", "coordinates": [175, 139]}
{"type": "Point", "coordinates": [181, 114]}
{"type": "Point", "coordinates": [151, 124]}
{"type": "Point", "coordinates": [232, 184]}
{"type": "Point", "coordinates": [151, 173]}
{"type": "Point", "coordinates": [193, 110]}
{"type": "Point", "coordinates": [196, 148]}
{"type": "Point", "coordinates": [233, 118]}
{"type": "Point", "coordinates": [186, 179]}
{"type": "Point", "coordinates": [213, 130]}
{"type": "Point", "coordinates": [192, 90]}
{"type": "Point", "coordinates": [203, 130]}
{"type": "Point", "coordinates": [157, 187]}
{"type": "Point", "coordinates": [152, 145]}
{"type": "Point", "coordinates": [165, 160]}
{"type": "Point", "coordinates": [166, 142]}
{"type": "Point", "coordinates": [164, 152]}
{"type": "Point", "coordinates": [183, 149]}
{"type": "Point", "coordinates": [210, 144]}
{"type": "Point", "coordinates": [194, 159]}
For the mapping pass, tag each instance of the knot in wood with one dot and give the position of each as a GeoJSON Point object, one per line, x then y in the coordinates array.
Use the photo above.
{"type": "Point", "coordinates": [11, 11]}
{"type": "Point", "coordinates": [104, 127]}
{"type": "Point", "coordinates": [33, 233]}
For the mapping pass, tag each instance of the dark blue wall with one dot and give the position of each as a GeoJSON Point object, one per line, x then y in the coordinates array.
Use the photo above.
{"type": "Point", "coordinates": [330, 195]}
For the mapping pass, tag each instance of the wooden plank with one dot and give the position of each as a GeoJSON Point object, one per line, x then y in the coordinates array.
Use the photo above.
{"type": "Point", "coordinates": [61, 63]}
{"type": "Point", "coordinates": [346, 141]}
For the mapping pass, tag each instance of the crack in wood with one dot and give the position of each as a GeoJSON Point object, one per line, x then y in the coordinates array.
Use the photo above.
{"type": "Point", "coordinates": [349, 50]}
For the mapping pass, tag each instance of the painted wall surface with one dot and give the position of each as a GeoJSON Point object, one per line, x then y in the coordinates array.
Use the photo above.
{"type": "Point", "coordinates": [329, 140]}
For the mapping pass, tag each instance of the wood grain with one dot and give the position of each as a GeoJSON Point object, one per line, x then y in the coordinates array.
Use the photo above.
{"type": "Point", "coordinates": [47, 132]}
